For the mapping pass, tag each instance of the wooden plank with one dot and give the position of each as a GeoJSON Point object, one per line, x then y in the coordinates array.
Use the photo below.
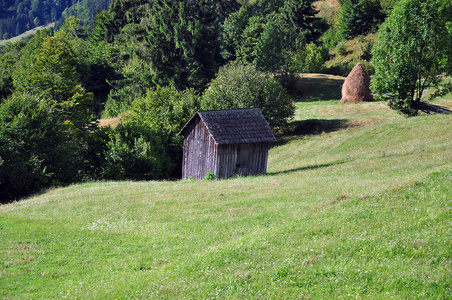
{"type": "Point", "coordinates": [203, 155]}
{"type": "Point", "coordinates": [199, 152]}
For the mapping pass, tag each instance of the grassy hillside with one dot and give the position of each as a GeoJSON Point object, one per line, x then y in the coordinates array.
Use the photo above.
{"type": "Point", "coordinates": [26, 35]}
{"type": "Point", "coordinates": [356, 204]}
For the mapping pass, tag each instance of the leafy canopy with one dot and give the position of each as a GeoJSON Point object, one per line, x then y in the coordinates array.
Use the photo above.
{"type": "Point", "coordinates": [35, 147]}
{"type": "Point", "coordinates": [164, 111]}
{"type": "Point", "coordinates": [243, 86]}
{"type": "Point", "coordinates": [267, 33]}
{"type": "Point", "coordinates": [414, 47]}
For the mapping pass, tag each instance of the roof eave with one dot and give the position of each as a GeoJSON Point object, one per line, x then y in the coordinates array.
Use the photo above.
{"type": "Point", "coordinates": [181, 132]}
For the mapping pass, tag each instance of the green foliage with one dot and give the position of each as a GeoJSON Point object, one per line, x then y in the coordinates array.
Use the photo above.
{"type": "Point", "coordinates": [177, 45]}
{"type": "Point", "coordinates": [331, 37]}
{"type": "Point", "coordinates": [120, 100]}
{"type": "Point", "coordinates": [350, 21]}
{"type": "Point", "coordinates": [341, 49]}
{"type": "Point", "coordinates": [359, 17]}
{"type": "Point", "coordinates": [309, 60]}
{"type": "Point", "coordinates": [9, 55]}
{"type": "Point", "coordinates": [46, 84]}
{"type": "Point", "coordinates": [367, 66]}
{"type": "Point", "coordinates": [413, 48]}
{"type": "Point", "coordinates": [266, 33]}
{"type": "Point", "coordinates": [366, 49]}
{"type": "Point", "coordinates": [209, 176]}
{"type": "Point", "coordinates": [231, 33]}
{"type": "Point", "coordinates": [84, 10]}
{"type": "Point", "coordinates": [243, 86]}
{"type": "Point", "coordinates": [94, 62]}
{"type": "Point", "coordinates": [109, 23]}
{"type": "Point", "coordinates": [172, 43]}
{"type": "Point", "coordinates": [164, 111]}
{"type": "Point", "coordinates": [301, 17]}
{"type": "Point", "coordinates": [48, 69]}
{"type": "Point", "coordinates": [35, 147]}
{"type": "Point", "coordinates": [135, 153]}
{"type": "Point", "coordinates": [247, 51]}
{"type": "Point", "coordinates": [273, 47]}
{"type": "Point", "coordinates": [76, 113]}
{"type": "Point", "coordinates": [127, 152]}
{"type": "Point", "coordinates": [388, 5]}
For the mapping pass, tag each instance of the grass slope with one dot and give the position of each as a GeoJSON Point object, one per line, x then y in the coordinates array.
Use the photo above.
{"type": "Point", "coordinates": [356, 204]}
{"type": "Point", "coordinates": [26, 34]}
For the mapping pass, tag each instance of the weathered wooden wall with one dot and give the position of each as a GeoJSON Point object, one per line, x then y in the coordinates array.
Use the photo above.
{"type": "Point", "coordinates": [241, 159]}
{"type": "Point", "coordinates": [199, 152]}
{"type": "Point", "coordinates": [203, 155]}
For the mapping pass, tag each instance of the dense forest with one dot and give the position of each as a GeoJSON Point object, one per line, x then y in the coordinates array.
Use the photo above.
{"type": "Point", "coordinates": [154, 63]}
{"type": "Point", "coordinates": [18, 16]}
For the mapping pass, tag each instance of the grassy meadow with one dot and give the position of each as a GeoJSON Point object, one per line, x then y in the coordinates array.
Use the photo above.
{"type": "Point", "coordinates": [356, 204]}
{"type": "Point", "coordinates": [26, 35]}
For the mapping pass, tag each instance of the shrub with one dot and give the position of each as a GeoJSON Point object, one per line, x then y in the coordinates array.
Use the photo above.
{"type": "Point", "coordinates": [135, 153]}
{"type": "Point", "coordinates": [243, 86]}
{"type": "Point", "coordinates": [35, 147]}
{"type": "Point", "coordinates": [310, 60]}
{"type": "Point", "coordinates": [164, 111]}
{"type": "Point", "coordinates": [331, 37]}
{"type": "Point", "coordinates": [120, 100]}
{"type": "Point", "coordinates": [341, 49]}
{"type": "Point", "coordinates": [367, 50]}
{"type": "Point", "coordinates": [368, 67]}
{"type": "Point", "coordinates": [209, 176]}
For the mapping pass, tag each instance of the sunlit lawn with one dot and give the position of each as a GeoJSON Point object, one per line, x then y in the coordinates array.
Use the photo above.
{"type": "Point", "coordinates": [355, 208]}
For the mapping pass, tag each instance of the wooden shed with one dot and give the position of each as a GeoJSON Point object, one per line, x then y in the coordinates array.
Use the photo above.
{"type": "Point", "coordinates": [226, 142]}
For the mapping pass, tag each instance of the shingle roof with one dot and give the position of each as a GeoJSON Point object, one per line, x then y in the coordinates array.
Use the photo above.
{"type": "Point", "coordinates": [235, 126]}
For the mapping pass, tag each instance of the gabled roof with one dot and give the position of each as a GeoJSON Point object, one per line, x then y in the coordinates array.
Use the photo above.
{"type": "Point", "coordinates": [234, 126]}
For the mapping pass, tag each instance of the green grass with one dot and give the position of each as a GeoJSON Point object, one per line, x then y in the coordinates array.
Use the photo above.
{"type": "Point", "coordinates": [356, 208]}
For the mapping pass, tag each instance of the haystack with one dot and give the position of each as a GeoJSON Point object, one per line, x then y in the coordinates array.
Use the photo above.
{"type": "Point", "coordinates": [356, 86]}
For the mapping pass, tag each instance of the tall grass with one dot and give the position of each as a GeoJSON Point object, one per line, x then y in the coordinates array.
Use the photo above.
{"type": "Point", "coordinates": [360, 210]}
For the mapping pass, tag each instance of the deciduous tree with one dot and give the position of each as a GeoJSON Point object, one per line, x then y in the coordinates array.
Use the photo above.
{"type": "Point", "coordinates": [164, 111]}
{"type": "Point", "coordinates": [243, 86]}
{"type": "Point", "coordinates": [414, 47]}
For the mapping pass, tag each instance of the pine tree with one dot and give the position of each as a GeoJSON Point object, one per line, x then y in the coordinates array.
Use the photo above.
{"type": "Point", "coordinates": [351, 19]}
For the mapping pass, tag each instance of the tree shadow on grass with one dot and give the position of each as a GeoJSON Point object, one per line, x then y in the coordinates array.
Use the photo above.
{"type": "Point", "coordinates": [316, 126]}
{"type": "Point", "coordinates": [321, 88]}
{"type": "Point", "coordinates": [311, 127]}
{"type": "Point", "coordinates": [312, 167]}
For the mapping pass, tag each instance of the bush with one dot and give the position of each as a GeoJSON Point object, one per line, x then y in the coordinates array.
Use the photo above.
{"type": "Point", "coordinates": [341, 49]}
{"type": "Point", "coordinates": [120, 100]}
{"type": "Point", "coordinates": [367, 50]}
{"type": "Point", "coordinates": [164, 111]}
{"type": "Point", "coordinates": [209, 176]}
{"type": "Point", "coordinates": [35, 147]}
{"type": "Point", "coordinates": [331, 37]}
{"type": "Point", "coordinates": [243, 86]}
{"type": "Point", "coordinates": [135, 153]}
{"type": "Point", "coordinates": [342, 69]}
{"type": "Point", "coordinates": [292, 83]}
{"type": "Point", "coordinates": [310, 60]}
